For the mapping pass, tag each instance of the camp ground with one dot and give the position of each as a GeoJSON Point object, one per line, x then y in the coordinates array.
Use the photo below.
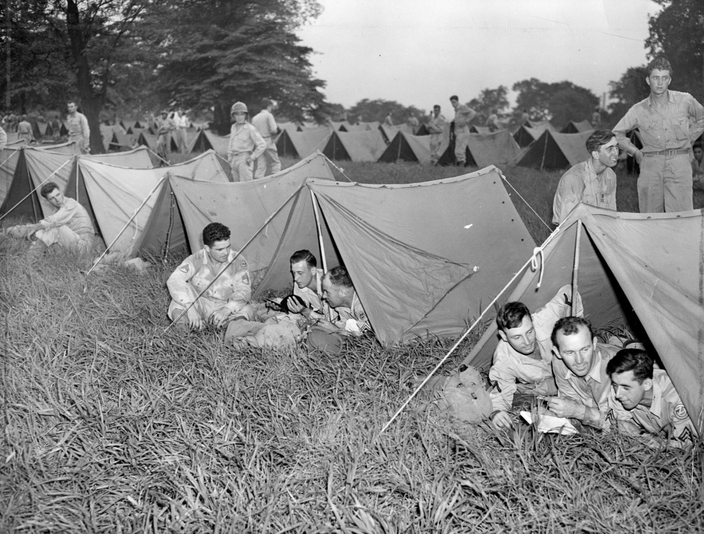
{"type": "Point", "coordinates": [205, 140]}
{"type": "Point", "coordinates": [302, 144]}
{"type": "Point", "coordinates": [552, 151]}
{"type": "Point", "coordinates": [641, 270]}
{"type": "Point", "coordinates": [361, 145]}
{"type": "Point", "coordinates": [407, 147]}
{"type": "Point", "coordinates": [525, 135]}
{"type": "Point", "coordinates": [411, 283]}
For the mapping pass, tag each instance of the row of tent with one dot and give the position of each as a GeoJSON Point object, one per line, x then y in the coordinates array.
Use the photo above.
{"type": "Point", "coordinates": [643, 270]}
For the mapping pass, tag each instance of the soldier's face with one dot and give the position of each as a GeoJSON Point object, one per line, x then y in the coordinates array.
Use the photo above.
{"type": "Point", "coordinates": [71, 107]}
{"type": "Point", "coordinates": [333, 295]}
{"type": "Point", "coordinates": [608, 153]}
{"type": "Point", "coordinates": [521, 338]}
{"type": "Point", "coordinates": [659, 81]}
{"type": "Point", "coordinates": [239, 116]}
{"type": "Point", "coordinates": [628, 391]}
{"type": "Point", "coordinates": [576, 350]}
{"type": "Point", "coordinates": [698, 153]}
{"type": "Point", "coordinates": [302, 273]}
{"type": "Point", "coordinates": [55, 198]}
{"type": "Point", "coordinates": [219, 251]}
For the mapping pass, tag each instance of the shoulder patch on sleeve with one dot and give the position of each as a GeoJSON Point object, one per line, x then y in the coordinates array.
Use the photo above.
{"type": "Point", "coordinates": [243, 263]}
{"type": "Point", "coordinates": [245, 278]}
{"type": "Point", "coordinates": [679, 412]}
{"type": "Point", "coordinates": [183, 268]}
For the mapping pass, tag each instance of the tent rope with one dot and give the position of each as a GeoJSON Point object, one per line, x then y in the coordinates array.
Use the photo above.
{"type": "Point", "coordinates": [457, 343]}
{"type": "Point", "coordinates": [159, 157]}
{"type": "Point", "coordinates": [237, 254]}
{"type": "Point", "coordinates": [33, 190]}
{"type": "Point", "coordinates": [7, 159]}
{"type": "Point", "coordinates": [526, 202]}
{"type": "Point", "coordinates": [340, 170]}
{"type": "Point", "coordinates": [537, 261]}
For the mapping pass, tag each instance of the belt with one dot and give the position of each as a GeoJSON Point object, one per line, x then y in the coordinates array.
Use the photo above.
{"type": "Point", "coordinates": [235, 154]}
{"type": "Point", "coordinates": [674, 152]}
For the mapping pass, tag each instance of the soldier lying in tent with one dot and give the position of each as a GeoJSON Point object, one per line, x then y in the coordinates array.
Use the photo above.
{"type": "Point", "coordinates": [522, 361]}
{"type": "Point", "coordinates": [643, 400]}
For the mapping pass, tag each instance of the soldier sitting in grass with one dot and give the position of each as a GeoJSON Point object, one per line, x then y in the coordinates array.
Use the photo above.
{"type": "Point", "coordinates": [579, 365]}
{"type": "Point", "coordinates": [522, 361]}
{"type": "Point", "coordinates": [226, 299]}
{"type": "Point", "coordinates": [307, 284]}
{"type": "Point", "coordinates": [69, 227]}
{"type": "Point", "coordinates": [643, 400]}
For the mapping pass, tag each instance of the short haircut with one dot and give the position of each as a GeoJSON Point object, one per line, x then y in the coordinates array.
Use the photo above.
{"type": "Point", "coordinates": [696, 145]}
{"type": "Point", "coordinates": [339, 277]}
{"type": "Point", "coordinates": [599, 139]}
{"type": "Point", "coordinates": [454, 97]}
{"type": "Point", "coordinates": [659, 63]}
{"type": "Point", "coordinates": [304, 255]}
{"type": "Point", "coordinates": [71, 102]}
{"type": "Point", "coordinates": [436, 106]}
{"type": "Point", "coordinates": [24, 117]}
{"type": "Point", "coordinates": [266, 103]}
{"type": "Point", "coordinates": [511, 315]}
{"type": "Point", "coordinates": [215, 232]}
{"type": "Point", "coordinates": [636, 360]}
{"type": "Point", "coordinates": [48, 188]}
{"type": "Point", "coordinates": [569, 326]}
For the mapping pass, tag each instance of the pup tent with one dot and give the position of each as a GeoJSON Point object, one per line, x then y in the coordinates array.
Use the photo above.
{"type": "Point", "coordinates": [407, 147]}
{"type": "Point", "coordinates": [302, 144]}
{"type": "Point", "coordinates": [497, 148]}
{"type": "Point", "coordinates": [525, 135]}
{"type": "Point", "coordinates": [363, 145]}
{"type": "Point", "coordinates": [58, 164]}
{"type": "Point", "coordinates": [554, 151]}
{"type": "Point", "coordinates": [642, 269]}
{"type": "Point", "coordinates": [122, 199]}
{"type": "Point", "coordinates": [206, 140]}
{"type": "Point", "coordinates": [424, 257]}
{"type": "Point", "coordinates": [576, 127]}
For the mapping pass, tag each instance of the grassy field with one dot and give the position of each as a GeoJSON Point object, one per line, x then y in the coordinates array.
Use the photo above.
{"type": "Point", "coordinates": [112, 424]}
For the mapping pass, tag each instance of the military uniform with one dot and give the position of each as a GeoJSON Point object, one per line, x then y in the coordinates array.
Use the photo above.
{"type": "Point", "coordinates": [666, 415]}
{"type": "Point", "coordinates": [353, 320]}
{"type": "Point", "coordinates": [436, 127]}
{"type": "Point", "coordinates": [245, 141]}
{"type": "Point", "coordinates": [232, 289]}
{"type": "Point", "coordinates": [78, 130]}
{"type": "Point", "coordinates": [70, 227]}
{"type": "Point", "coordinates": [582, 184]}
{"type": "Point", "coordinates": [463, 115]}
{"type": "Point", "coordinates": [266, 126]}
{"type": "Point", "coordinates": [591, 390]}
{"type": "Point", "coordinates": [510, 367]}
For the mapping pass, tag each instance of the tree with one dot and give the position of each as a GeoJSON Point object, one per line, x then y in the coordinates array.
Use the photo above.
{"type": "Point", "coordinates": [559, 102]}
{"type": "Point", "coordinates": [627, 91]}
{"type": "Point", "coordinates": [377, 110]}
{"type": "Point", "coordinates": [677, 32]}
{"type": "Point", "coordinates": [215, 52]}
{"type": "Point", "coordinates": [488, 101]}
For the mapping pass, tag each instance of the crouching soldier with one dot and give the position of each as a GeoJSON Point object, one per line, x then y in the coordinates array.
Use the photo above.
{"type": "Point", "coordinates": [229, 295]}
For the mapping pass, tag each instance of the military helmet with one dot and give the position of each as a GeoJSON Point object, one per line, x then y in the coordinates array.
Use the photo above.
{"type": "Point", "coordinates": [238, 106]}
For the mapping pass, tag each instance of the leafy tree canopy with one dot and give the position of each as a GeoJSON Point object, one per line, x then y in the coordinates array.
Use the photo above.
{"type": "Point", "coordinates": [376, 110]}
{"type": "Point", "coordinates": [490, 101]}
{"type": "Point", "coordinates": [559, 102]}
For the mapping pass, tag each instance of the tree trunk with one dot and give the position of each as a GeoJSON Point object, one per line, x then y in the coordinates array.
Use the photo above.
{"type": "Point", "coordinates": [91, 103]}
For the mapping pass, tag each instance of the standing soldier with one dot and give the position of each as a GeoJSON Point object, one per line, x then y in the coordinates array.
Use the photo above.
{"type": "Point", "coordinates": [163, 136]}
{"type": "Point", "coordinates": [266, 126]}
{"type": "Point", "coordinates": [24, 130]}
{"type": "Point", "coordinates": [463, 115]}
{"type": "Point", "coordinates": [78, 130]}
{"type": "Point", "coordinates": [246, 145]}
{"type": "Point", "coordinates": [436, 127]}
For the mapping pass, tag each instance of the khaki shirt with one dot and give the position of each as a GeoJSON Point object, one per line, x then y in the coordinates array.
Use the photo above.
{"type": "Point", "coordinates": [666, 414]}
{"type": "Point", "coordinates": [582, 184]}
{"type": "Point", "coordinates": [353, 320]}
{"type": "Point", "coordinates": [72, 215]}
{"type": "Point", "coordinates": [245, 139]}
{"type": "Point", "coordinates": [591, 390]}
{"type": "Point", "coordinates": [232, 288]}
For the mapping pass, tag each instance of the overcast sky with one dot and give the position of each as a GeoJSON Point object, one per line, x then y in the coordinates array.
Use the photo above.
{"type": "Point", "coordinates": [419, 52]}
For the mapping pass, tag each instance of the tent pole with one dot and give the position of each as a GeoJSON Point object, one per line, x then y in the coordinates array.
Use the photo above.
{"type": "Point", "coordinates": [323, 258]}
{"type": "Point", "coordinates": [165, 252]}
{"type": "Point", "coordinates": [32, 191]}
{"type": "Point", "coordinates": [545, 149]}
{"type": "Point", "coordinates": [237, 254]}
{"type": "Point", "coordinates": [575, 266]}
{"type": "Point", "coordinates": [95, 264]}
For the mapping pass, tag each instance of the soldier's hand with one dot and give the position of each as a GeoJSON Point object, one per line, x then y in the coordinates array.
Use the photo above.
{"type": "Point", "coordinates": [502, 421]}
{"type": "Point", "coordinates": [220, 316]}
{"type": "Point", "coordinates": [566, 408]}
{"type": "Point", "coordinates": [194, 320]}
{"type": "Point", "coordinates": [639, 156]}
{"type": "Point", "coordinates": [294, 306]}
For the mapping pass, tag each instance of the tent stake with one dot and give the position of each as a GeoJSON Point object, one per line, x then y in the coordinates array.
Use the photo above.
{"type": "Point", "coordinates": [575, 266]}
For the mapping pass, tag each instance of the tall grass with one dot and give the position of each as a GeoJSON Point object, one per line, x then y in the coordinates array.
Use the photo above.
{"type": "Point", "coordinates": [113, 424]}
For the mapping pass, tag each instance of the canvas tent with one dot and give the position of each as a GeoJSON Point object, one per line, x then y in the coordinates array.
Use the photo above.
{"type": "Point", "coordinates": [424, 257]}
{"type": "Point", "coordinates": [644, 269]}
{"type": "Point", "coordinates": [355, 146]}
{"type": "Point", "coordinates": [302, 144]}
{"type": "Point", "coordinates": [525, 135]}
{"type": "Point", "coordinates": [389, 132]}
{"type": "Point", "coordinates": [576, 127]}
{"type": "Point", "coordinates": [555, 151]}
{"type": "Point", "coordinates": [407, 147]}
{"type": "Point", "coordinates": [498, 148]}
{"type": "Point", "coordinates": [116, 194]}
